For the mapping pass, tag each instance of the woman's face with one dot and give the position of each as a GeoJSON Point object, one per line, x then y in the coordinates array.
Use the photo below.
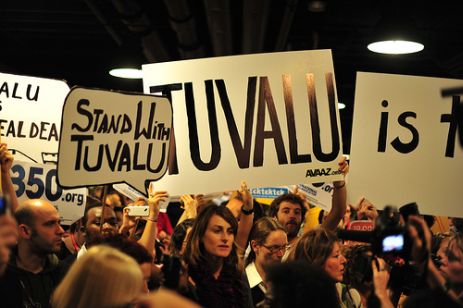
{"type": "Point", "coordinates": [218, 238]}
{"type": "Point", "coordinates": [334, 265]}
{"type": "Point", "coordinates": [273, 248]}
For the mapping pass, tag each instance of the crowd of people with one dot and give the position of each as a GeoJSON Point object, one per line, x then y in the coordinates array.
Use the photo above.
{"type": "Point", "coordinates": [239, 253]}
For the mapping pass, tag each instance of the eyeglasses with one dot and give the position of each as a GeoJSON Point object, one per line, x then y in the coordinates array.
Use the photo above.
{"type": "Point", "coordinates": [275, 249]}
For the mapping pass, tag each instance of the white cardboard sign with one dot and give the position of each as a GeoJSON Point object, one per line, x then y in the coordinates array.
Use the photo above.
{"type": "Point", "coordinates": [30, 116]}
{"type": "Point", "coordinates": [37, 181]}
{"type": "Point", "coordinates": [110, 137]}
{"type": "Point", "coordinates": [269, 119]}
{"type": "Point", "coordinates": [406, 143]}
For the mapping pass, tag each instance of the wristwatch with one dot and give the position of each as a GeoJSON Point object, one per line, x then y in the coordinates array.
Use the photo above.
{"type": "Point", "coordinates": [247, 212]}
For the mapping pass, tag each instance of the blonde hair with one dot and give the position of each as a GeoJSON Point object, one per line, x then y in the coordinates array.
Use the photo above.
{"type": "Point", "coordinates": [103, 277]}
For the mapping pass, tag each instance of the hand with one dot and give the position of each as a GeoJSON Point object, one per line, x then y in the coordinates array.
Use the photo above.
{"type": "Point", "coordinates": [380, 278]}
{"type": "Point", "coordinates": [343, 166]}
{"type": "Point", "coordinates": [154, 200]}
{"type": "Point", "coordinates": [128, 222]}
{"type": "Point", "coordinates": [366, 209]}
{"type": "Point", "coordinates": [6, 158]}
{"type": "Point", "coordinates": [190, 205]}
{"type": "Point", "coordinates": [421, 247]}
{"type": "Point", "coordinates": [301, 195]}
{"type": "Point", "coordinates": [246, 196]}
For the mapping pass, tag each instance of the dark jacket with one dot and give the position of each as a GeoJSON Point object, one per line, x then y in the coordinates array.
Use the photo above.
{"type": "Point", "coordinates": [21, 288]}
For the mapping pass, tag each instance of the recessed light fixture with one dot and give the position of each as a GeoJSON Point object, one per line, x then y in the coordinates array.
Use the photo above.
{"type": "Point", "coordinates": [129, 73]}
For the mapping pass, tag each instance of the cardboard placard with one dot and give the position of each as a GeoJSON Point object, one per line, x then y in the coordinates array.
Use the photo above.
{"type": "Point", "coordinates": [407, 143]}
{"type": "Point", "coordinates": [269, 119]}
{"type": "Point", "coordinates": [111, 137]}
{"type": "Point", "coordinates": [38, 181]}
{"type": "Point", "coordinates": [30, 116]}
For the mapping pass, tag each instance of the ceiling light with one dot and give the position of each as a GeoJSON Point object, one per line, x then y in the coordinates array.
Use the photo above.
{"type": "Point", "coordinates": [341, 105]}
{"type": "Point", "coordinates": [129, 73]}
{"type": "Point", "coordinates": [395, 34]}
{"type": "Point", "coordinates": [316, 6]}
{"type": "Point", "coordinates": [397, 47]}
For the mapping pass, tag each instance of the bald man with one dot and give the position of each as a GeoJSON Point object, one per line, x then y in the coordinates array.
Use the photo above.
{"type": "Point", "coordinates": [33, 270]}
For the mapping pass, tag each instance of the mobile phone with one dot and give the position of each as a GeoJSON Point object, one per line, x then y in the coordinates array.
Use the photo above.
{"type": "Point", "coordinates": [4, 206]}
{"type": "Point", "coordinates": [142, 210]}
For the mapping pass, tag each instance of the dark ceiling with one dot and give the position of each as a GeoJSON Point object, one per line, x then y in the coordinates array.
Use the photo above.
{"type": "Point", "coordinates": [78, 40]}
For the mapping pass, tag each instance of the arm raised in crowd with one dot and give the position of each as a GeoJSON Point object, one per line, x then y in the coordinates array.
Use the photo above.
{"type": "Point", "coordinates": [190, 208]}
{"type": "Point", "coordinates": [339, 201]}
{"type": "Point", "coordinates": [246, 218]}
{"type": "Point", "coordinates": [6, 160]}
{"type": "Point", "coordinates": [149, 235]}
{"type": "Point", "coordinates": [380, 281]}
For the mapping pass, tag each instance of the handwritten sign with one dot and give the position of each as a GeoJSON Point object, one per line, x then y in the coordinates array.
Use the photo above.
{"type": "Point", "coordinates": [269, 119]}
{"type": "Point", "coordinates": [38, 181]}
{"type": "Point", "coordinates": [30, 116]}
{"type": "Point", "coordinates": [407, 143]}
{"type": "Point", "coordinates": [110, 137]}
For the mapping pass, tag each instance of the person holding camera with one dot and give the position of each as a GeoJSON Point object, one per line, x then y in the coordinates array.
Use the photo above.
{"type": "Point", "coordinates": [444, 291]}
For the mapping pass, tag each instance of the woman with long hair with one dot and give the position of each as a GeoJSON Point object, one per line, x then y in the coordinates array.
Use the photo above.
{"type": "Point", "coordinates": [215, 275]}
{"type": "Point", "coordinates": [269, 242]}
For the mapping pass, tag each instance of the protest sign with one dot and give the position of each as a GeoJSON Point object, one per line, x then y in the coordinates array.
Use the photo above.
{"type": "Point", "coordinates": [407, 143]}
{"type": "Point", "coordinates": [30, 116]}
{"type": "Point", "coordinates": [38, 181]}
{"type": "Point", "coordinates": [318, 194]}
{"type": "Point", "coordinates": [111, 137]}
{"type": "Point", "coordinates": [269, 119]}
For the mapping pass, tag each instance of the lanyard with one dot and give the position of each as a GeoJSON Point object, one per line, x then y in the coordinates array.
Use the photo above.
{"type": "Point", "coordinates": [74, 243]}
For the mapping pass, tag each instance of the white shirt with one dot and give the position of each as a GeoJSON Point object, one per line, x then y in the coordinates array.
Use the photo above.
{"type": "Point", "coordinates": [254, 278]}
{"type": "Point", "coordinates": [82, 251]}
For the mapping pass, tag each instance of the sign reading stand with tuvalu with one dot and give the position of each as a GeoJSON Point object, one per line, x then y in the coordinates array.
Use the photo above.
{"type": "Point", "coordinates": [112, 137]}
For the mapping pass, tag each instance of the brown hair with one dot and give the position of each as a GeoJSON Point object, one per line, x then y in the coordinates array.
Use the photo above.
{"type": "Point", "coordinates": [289, 197]}
{"type": "Point", "coordinates": [260, 231]}
{"type": "Point", "coordinates": [314, 247]}
{"type": "Point", "coordinates": [195, 253]}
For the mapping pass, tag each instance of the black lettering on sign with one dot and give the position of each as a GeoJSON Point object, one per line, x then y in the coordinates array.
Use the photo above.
{"type": "Point", "coordinates": [122, 157]}
{"type": "Point", "coordinates": [314, 121]}
{"type": "Point", "coordinates": [382, 139]}
{"type": "Point", "coordinates": [266, 100]}
{"type": "Point", "coordinates": [242, 148]}
{"type": "Point", "coordinates": [296, 158]}
{"type": "Point", "coordinates": [455, 119]}
{"type": "Point", "coordinates": [32, 93]}
{"type": "Point", "coordinates": [397, 144]}
{"type": "Point", "coordinates": [167, 91]}
{"type": "Point", "coordinates": [81, 110]}
{"type": "Point", "coordinates": [405, 148]}
{"type": "Point", "coordinates": [193, 127]}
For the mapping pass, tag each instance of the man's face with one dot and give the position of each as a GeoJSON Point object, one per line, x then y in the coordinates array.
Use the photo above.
{"type": "Point", "coordinates": [290, 216]}
{"type": "Point", "coordinates": [47, 233]}
{"type": "Point", "coordinates": [94, 220]}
